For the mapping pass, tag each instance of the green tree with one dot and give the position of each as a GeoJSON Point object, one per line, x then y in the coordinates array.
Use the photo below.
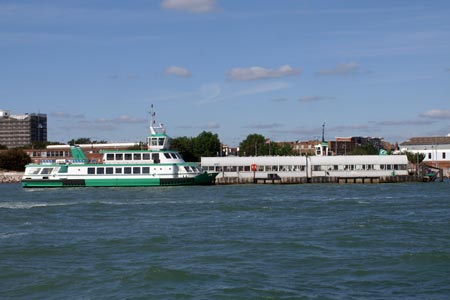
{"type": "Point", "coordinates": [206, 144]}
{"type": "Point", "coordinates": [365, 149]}
{"type": "Point", "coordinates": [415, 157]}
{"type": "Point", "coordinates": [184, 146]}
{"type": "Point", "coordinates": [14, 160]}
{"type": "Point", "coordinates": [192, 149]}
{"type": "Point", "coordinates": [85, 140]}
{"type": "Point", "coordinates": [254, 145]}
{"type": "Point", "coordinates": [3, 147]}
{"type": "Point", "coordinates": [285, 149]}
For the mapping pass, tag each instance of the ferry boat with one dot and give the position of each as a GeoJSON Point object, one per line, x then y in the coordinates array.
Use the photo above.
{"type": "Point", "coordinates": [155, 166]}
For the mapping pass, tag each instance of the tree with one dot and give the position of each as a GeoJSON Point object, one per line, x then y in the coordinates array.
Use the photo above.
{"type": "Point", "coordinates": [14, 160]}
{"type": "Point", "coordinates": [254, 145]}
{"type": "Point", "coordinates": [285, 149]}
{"type": "Point", "coordinates": [85, 140]}
{"type": "Point", "coordinates": [415, 158]}
{"type": "Point", "coordinates": [192, 149]}
{"type": "Point", "coordinates": [366, 149]}
{"type": "Point", "coordinates": [184, 146]}
{"type": "Point", "coordinates": [206, 144]}
{"type": "Point", "coordinates": [3, 147]}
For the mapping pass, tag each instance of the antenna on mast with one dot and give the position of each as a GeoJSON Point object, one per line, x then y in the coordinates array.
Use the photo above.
{"type": "Point", "coordinates": [323, 132]}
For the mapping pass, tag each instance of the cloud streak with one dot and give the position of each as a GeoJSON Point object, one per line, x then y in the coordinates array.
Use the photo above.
{"type": "Point", "coordinates": [192, 6]}
{"type": "Point", "coordinates": [342, 69]}
{"type": "Point", "coordinates": [177, 71]}
{"type": "Point", "coordinates": [308, 99]}
{"type": "Point", "coordinates": [439, 114]}
{"type": "Point", "coordinates": [258, 73]}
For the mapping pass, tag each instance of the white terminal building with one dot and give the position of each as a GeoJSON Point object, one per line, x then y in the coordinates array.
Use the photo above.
{"type": "Point", "coordinates": [436, 150]}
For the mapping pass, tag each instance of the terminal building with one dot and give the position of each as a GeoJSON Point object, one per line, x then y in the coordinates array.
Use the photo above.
{"type": "Point", "coordinates": [21, 130]}
{"type": "Point", "coordinates": [436, 150]}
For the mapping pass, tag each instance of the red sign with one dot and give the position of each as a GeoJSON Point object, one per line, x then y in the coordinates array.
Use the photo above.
{"type": "Point", "coordinates": [253, 167]}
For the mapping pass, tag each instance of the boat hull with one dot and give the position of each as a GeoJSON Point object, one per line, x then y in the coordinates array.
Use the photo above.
{"type": "Point", "coordinates": [201, 179]}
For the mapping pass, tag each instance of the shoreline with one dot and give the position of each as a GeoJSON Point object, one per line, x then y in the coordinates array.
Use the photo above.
{"type": "Point", "coordinates": [10, 177]}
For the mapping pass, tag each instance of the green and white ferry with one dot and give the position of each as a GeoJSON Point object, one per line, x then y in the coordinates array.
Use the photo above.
{"type": "Point", "coordinates": [156, 166]}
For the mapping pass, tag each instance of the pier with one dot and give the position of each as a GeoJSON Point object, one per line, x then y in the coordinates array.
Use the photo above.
{"type": "Point", "coordinates": [323, 179]}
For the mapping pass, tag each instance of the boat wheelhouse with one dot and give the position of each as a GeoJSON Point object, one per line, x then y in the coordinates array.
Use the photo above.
{"type": "Point", "coordinates": [155, 166]}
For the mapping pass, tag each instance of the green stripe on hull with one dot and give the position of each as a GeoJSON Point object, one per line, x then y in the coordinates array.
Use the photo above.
{"type": "Point", "coordinates": [201, 179]}
{"type": "Point", "coordinates": [122, 182]}
{"type": "Point", "coordinates": [42, 184]}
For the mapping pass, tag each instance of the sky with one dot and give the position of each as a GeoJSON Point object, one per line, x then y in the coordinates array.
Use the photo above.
{"type": "Point", "coordinates": [231, 67]}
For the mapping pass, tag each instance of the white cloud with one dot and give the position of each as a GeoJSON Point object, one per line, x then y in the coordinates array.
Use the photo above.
{"type": "Point", "coordinates": [342, 69]}
{"type": "Point", "coordinates": [177, 71]}
{"type": "Point", "coordinates": [194, 6]}
{"type": "Point", "coordinates": [256, 73]}
{"type": "Point", "coordinates": [436, 114]}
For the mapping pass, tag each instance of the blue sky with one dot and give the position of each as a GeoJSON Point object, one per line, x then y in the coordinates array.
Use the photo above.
{"type": "Point", "coordinates": [232, 67]}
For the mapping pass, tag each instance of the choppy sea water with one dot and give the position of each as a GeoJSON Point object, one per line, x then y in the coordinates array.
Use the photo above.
{"type": "Point", "coordinates": [324, 241]}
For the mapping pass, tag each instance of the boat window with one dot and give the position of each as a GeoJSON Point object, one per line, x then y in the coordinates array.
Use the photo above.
{"type": "Point", "coordinates": [178, 156]}
{"type": "Point", "coordinates": [110, 156]}
{"type": "Point", "coordinates": [127, 156]}
{"type": "Point", "coordinates": [109, 170]}
{"type": "Point", "coordinates": [35, 171]}
{"type": "Point", "coordinates": [100, 170]}
{"type": "Point", "coordinates": [395, 167]}
{"type": "Point", "coordinates": [118, 170]}
{"type": "Point", "coordinates": [136, 170]}
{"type": "Point", "coordinates": [127, 170]}
{"type": "Point", "coordinates": [91, 170]}
{"type": "Point", "coordinates": [154, 142]}
{"type": "Point", "coordinates": [247, 168]}
{"type": "Point", "coordinates": [167, 155]}
{"type": "Point", "coordinates": [376, 167]}
{"type": "Point", "coordinates": [155, 157]}
{"type": "Point", "coordinates": [382, 167]}
{"type": "Point", "coordinates": [146, 156]}
{"type": "Point", "coordinates": [316, 168]}
{"type": "Point", "coordinates": [187, 169]}
{"type": "Point", "coordinates": [240, 168]}
{"type": "Point", "coordinates": [173, 155]}
{"type": "Point", "coordinates": [429, 155]}
{"type": "Point", "coordinates": [46, 170]}
{"type": "Point", "coordinates": [145, 170]}
{"type": "Point", "coordinates": [161, 141]}
{"type": "Point", "coordinates": [137, 156]}
{"type": "Point", "coordinates": [119, 156]}
{"type": "Point", "coordinates": [63, 169]}
{"type": "Point", "coordinates": [388, 167]}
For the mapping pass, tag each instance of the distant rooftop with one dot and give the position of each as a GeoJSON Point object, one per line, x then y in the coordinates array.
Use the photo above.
{"type": "Point", "coordinates": [431, 140]}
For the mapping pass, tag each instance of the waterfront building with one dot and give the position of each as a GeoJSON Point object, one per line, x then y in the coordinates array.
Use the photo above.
{"type": "Point", "coordinates": [62, 152]}
{"type": "Point", "coordinates": [345, 145]}
{"type": "Point", "coordinates": [436, 150]}
{"type": "Point", "coordinates": [21, 130]}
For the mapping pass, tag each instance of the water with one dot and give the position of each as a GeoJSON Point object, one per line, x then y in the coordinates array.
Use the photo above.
{"type": "Point", "coordinates": [387, 241]}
